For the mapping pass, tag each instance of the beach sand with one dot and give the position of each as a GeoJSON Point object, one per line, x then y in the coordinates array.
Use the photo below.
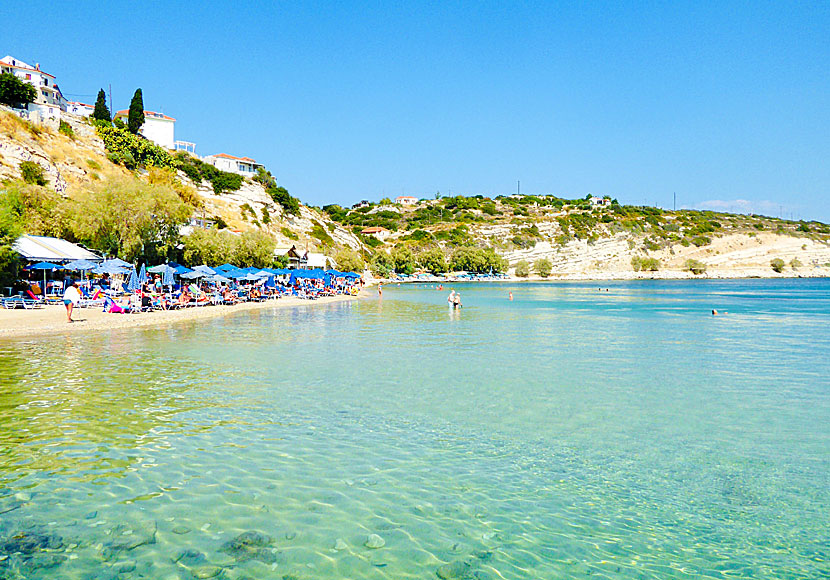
{"type": "Point", "coordinates": [51, 319]}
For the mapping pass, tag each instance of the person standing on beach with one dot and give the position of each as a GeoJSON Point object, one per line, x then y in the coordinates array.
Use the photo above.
{"type": "Point", "coordinates": [71, 296]}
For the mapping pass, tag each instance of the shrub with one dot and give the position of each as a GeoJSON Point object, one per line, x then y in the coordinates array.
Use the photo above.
{"type": "Point", "coordinates": [32, 173]}
{"type": "Point", "coordinates": [695, 266]}
{"type": "Point", "coordinates": [93, 164]}
{"type": "Point", "coordinates": [777, 264]}
{"type": "Point", "coordinates": [66, 129]}
{"type": "Point", "coordinates": [523, 269]}
{"type": "Point", "coordinates": [701, 241]}
{"type": "Point", "coordinates": [288, 233]}
{"type": "Point", "coordinates": [645, 264]}
{"type": "Point", "coordinates": [543, 267]}
{"type": "Point", "coordinates": [321, 234]}
{"type": "Point", "coordinates": [803, 228]}
{"type": "Point", "coordinates": [795, 264]}
{"type": "Point", "coordinates": [133, 150]}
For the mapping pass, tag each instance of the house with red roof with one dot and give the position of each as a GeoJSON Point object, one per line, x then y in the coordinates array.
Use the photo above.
{"type": "Point", "coordinates": [78, 108]}
{"type": "Point", "coordinates": [49, 101]}
{"type": "Point", "coordinates": [157, 127]}
{"type": "Point", "coordinates": [241, 165]}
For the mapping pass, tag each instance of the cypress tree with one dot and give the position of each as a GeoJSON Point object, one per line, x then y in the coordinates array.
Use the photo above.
{"type": "Point", "coordinates": [101, 111]}
{"type": "Point", "coordinates": [135, 119]}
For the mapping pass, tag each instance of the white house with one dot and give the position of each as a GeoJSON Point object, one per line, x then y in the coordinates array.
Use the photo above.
{"type": "Point", "coordinates": [600, 201]}
{"type": "Point", "coordinates": [241, 165]}
{"type": "Point", "coordinates": [81, 109]}
{"type": "Point", "coordinates": [157, 127]}
{"type": "Point", "coordinates": [406, 200]}
{"type": "Point", "coordinates": [49, 101]}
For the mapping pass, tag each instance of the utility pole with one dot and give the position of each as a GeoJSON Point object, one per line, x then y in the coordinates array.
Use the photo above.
{"type": "Point", "coordinates": [518, 187]}
{"type": "Point", "coordinates": [674, 204]}
{"type": "Point", "coordinates": [112, 111]}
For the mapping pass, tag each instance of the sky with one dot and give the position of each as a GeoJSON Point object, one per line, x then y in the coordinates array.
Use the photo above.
{"type": "Point", "coordinates": [725, 105]}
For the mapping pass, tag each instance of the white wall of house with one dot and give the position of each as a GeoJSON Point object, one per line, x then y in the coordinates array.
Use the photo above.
{"type": "Point", "coordinates": [157, 127]}
{"type": "Point", "coordinates": [246, 167]}
{"type": "Point", "coordinates": [81, 109]}
{"type": "Point", "coordinates": [160, 131]}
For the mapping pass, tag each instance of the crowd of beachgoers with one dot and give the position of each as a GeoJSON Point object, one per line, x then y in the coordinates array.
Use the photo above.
{"type": "Point", "coordinates": [117, 287]}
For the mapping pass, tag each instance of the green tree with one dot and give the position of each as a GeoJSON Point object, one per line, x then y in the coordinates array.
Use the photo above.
{"type": "Point", "coordinates": [211, 247]}
{"type": "Point", "coordinates": [433, 260]}
{"type": "Point", "coordinates": [254, 249]}
{"type": "Point", "coordinates": [130, 218]}
{"type": "Point", "coordinates": [16, 92]}
{"type": "Point", "coordinates": [543, 267]}
{"type": "Point", "coordinates": [381, 264]}
{"type": "Point", "coordinates": [102, 112]}
{"type": "Point", "coordinates": [349, 260]}
{"type": "Point", "coordinates": [403, 259]}
{"type": "Point", "coordinates": [135, 118]}
{"type": "Point", "coordinates": [522, 269]}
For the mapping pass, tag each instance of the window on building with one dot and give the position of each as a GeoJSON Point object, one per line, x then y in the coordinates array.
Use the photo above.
{"type": "Point", "coordinates": [28, 77]}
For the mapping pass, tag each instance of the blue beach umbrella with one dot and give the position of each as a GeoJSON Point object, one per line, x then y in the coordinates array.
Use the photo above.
{"type": "Point", "coordinates": [142, 275]}
{"type": "Point", "coordinates": [206, 269]}
{"type": "Point", "coordinates": [132, 283]}
{"type": "Point", "coordinates": [167, 277]}
{"type": "Point", "coordinates": [45, 266]}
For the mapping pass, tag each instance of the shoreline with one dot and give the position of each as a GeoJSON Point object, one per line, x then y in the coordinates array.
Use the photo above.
{"type": "Point", "coordinates": [51, 319]}
{"type": "Point", "coordinates": [623, 276]}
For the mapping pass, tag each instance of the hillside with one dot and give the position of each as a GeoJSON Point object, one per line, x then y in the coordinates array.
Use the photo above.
{"type": "Point", "coordinates": [578, 239]}
{"type": "Point", "coordinates": [582, 240]}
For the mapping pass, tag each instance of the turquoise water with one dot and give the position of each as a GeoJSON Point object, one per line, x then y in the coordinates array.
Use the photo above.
{"type": "Point", "coordinates": [572, 432]}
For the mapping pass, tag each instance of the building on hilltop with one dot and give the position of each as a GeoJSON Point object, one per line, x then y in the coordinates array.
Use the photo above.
{"type": "Point", "coordinates": [157, 127]}
{"type": "Point", "coordinates": [49, 101]}
{"type": "Point", "coordinates": [81, 109]}
{"type": "Point", "coordinates": [600, 201]}
{"type": "Point", "coordinates": [406, 200]}
{"type": "Point", "coordinates": [379, 232]}
{"type": "Point", "coordinates": [241, 165]}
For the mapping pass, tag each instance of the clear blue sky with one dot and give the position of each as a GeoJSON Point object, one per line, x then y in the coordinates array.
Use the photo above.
{"type": "Point", "coordinates": [727, 104]}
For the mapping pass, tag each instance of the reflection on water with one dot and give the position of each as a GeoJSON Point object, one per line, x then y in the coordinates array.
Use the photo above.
{"type": "Point", "coordinates": [570, 432]}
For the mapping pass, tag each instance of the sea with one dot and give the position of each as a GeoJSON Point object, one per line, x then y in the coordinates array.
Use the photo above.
{"type": "Point", "coordinates": [580, 430]}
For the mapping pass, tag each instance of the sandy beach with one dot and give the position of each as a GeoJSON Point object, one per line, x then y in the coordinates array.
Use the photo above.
{"type": "Point", "coordinates": [51, 319]}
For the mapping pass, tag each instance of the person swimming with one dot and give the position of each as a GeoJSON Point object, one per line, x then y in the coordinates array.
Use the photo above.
{"type": "Point", "coordinates": [510, 296]}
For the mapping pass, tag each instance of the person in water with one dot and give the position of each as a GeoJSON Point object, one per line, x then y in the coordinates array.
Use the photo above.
{"type": "Point", "coordinates": [457, 300]}
{"type": "Point", "coordinates": [510, 296]}
{"type": "Point", "coordinates": [451, 297]}
{"type": "Point", "coordinates": [380, 289]}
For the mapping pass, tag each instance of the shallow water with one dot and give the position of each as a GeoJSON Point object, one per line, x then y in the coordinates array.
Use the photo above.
{"type": "Point", "coordinates": [572, 432]}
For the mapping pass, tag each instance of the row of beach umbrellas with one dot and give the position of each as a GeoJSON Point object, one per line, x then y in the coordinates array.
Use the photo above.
{"type": "Point", "coordinates": [220, 274]}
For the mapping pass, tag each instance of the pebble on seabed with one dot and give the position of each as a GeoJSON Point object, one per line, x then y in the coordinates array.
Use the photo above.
{"type": "Point", "coordinates": [374, 542]}
{"type": "Point", "coordinates": [340, 544]}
